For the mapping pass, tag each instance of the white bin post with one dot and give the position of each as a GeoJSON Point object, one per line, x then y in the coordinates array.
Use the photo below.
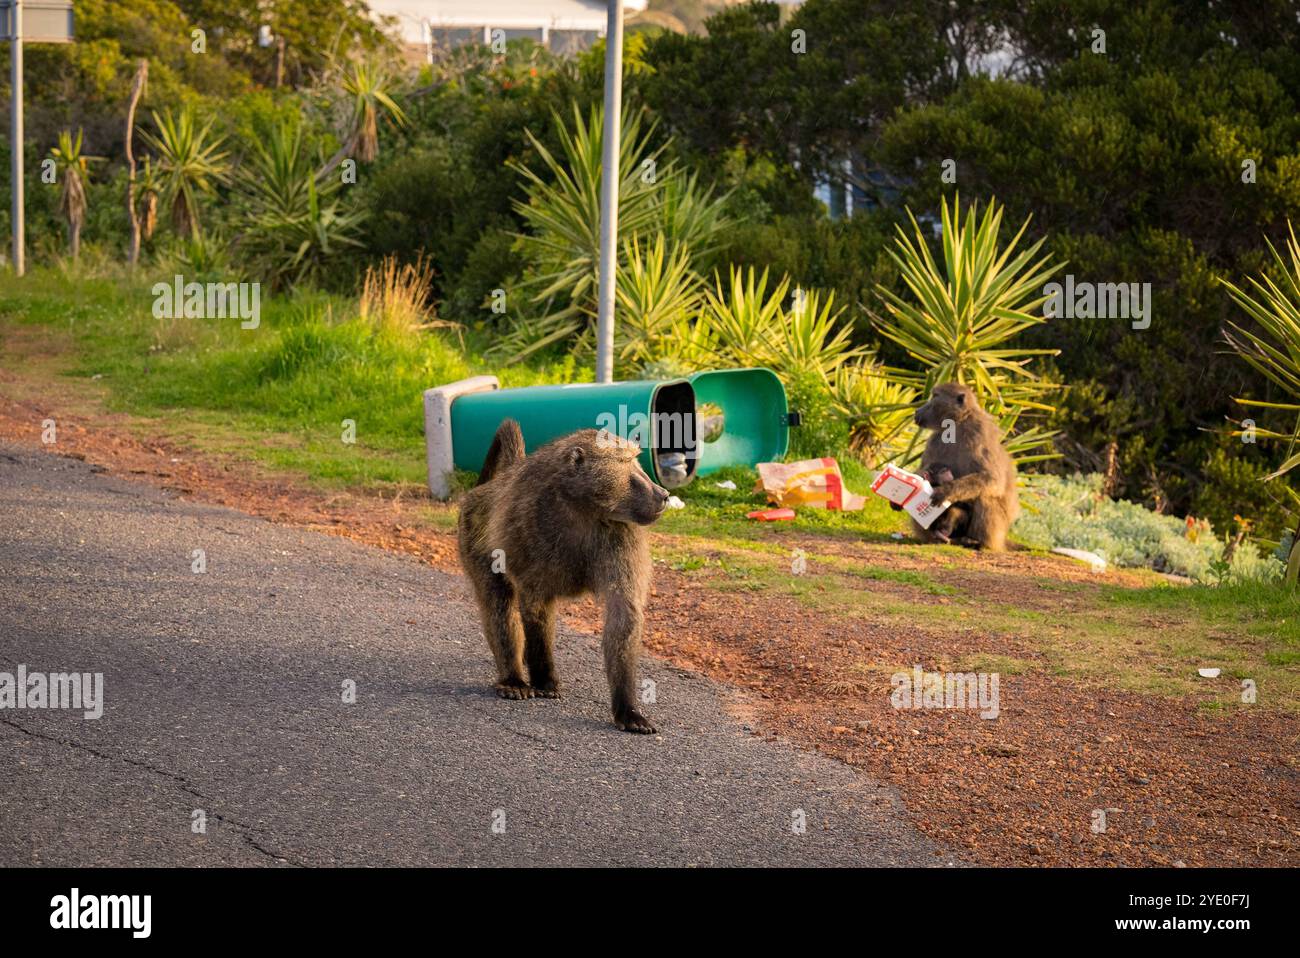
{"type": "Point", "coordinates": [437, 428]}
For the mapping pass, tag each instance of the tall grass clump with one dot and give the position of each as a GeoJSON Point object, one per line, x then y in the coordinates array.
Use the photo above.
{"type": "Point", "coordinates": [397, 297]}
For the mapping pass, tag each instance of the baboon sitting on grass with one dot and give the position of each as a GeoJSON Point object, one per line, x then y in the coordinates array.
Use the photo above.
{"type": "Point", "coordinates": [967, 442]}
{"type": "Point", "coordinates": [567, 520]}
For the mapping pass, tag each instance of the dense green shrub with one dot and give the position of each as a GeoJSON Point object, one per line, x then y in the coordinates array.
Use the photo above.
{"type": "Point", "coordinates": [822, 431]}
{"type": "Point", "coordinates": [1072, 513]}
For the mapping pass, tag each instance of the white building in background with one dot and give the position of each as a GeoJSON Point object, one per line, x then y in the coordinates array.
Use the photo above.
{"type": "Point", "coordinates": [563, 26]}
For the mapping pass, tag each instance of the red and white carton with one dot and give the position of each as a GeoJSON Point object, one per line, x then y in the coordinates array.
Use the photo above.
{"type": "Point", "coordinates": [911, 492]}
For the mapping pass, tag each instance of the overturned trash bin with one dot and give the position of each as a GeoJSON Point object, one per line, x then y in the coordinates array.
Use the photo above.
{"type": "Point", "coordinates": [685, 427]}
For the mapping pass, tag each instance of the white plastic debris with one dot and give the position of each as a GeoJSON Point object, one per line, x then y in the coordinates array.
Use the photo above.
{"type": "Point", "coordinates": [672, 469]}
{"type": "Point", "coordinates": [1208, 673]}
{"type": "Point", "coordinates": [675, 503]}
{"type": "Point", "coordinates": [725, 484]}
{"type": "Point", "coordinates": [1097, 562]}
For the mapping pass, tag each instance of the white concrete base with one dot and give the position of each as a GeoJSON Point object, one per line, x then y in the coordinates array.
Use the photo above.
{"type": "Point", "coordinates": [437, 428]}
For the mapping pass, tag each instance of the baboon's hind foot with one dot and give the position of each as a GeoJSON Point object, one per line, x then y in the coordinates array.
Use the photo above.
{"type": "Point", "coordinates": [548, 689]}
{"type": "Point", "coordinates": [634, 721]}
{"type": "Point", "coordinates": [514, 689]}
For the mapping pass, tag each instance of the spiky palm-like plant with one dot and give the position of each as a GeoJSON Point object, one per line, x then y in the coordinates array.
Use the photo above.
{"type": "Point", "coordinates": [73, 170]}
{"type": "Point", "coordinates": [875, 408]}
{"type": "Point", "coordinates": [656, 291]}
{"type": "Point", "coordinates": [1274, 351]}
{"type": "Point", "coordinates": [562, 213]}
{"type": "Point", "coordinates": [191, 164]}
{"type": "Point", "coordinates": [743, 316]}
{"type": "Point", "coordinates": [365, 93]}
{"type": "Point", "coordinates": [755, 327]}
{"type": "Point", "coordinates": [295, 223]}
{"type": "Point", "coordinates": [963, 313]}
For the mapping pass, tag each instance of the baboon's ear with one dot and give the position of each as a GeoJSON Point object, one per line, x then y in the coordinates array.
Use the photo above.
{"type": "Point", "coordinates": [576, 456]}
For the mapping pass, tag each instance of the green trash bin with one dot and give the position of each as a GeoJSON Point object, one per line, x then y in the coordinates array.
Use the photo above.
{"type": "Point", "coordinates": [660, 415]}
{"type": "Point", "coordinates": [756, 419]}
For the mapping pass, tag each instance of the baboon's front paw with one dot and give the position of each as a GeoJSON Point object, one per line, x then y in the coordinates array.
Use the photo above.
{"type": "Point", "coordinates": [635, 722]}
{"type": "Point", "coordinates": [547, 690]}
{"type": "Point", "coordinates": [514, 689]}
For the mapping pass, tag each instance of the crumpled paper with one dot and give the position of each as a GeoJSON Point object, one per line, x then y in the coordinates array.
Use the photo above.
{"type": "Point", "coordinates": [813, 483]}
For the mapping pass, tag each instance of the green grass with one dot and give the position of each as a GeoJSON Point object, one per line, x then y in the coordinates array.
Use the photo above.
{"type": "Point", "coordinates": [279, 393]}
{"type": "Point", "coordinates": [910, 577]}
{"type": "Point", "coordinates": [1150, 640]}
{"type": "Point", "coordinates": [720, 513]}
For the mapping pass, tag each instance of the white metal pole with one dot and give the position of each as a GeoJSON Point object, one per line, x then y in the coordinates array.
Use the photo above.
{"type": "Point", "coordinates": [16, 134]}
{"type": "Point", "coordinates": [609, 192]}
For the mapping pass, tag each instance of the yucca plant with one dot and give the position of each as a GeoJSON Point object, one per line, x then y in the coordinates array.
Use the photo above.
{"type": "Point", "coordinates": [525, 333]}
{"type": "Point", "coordinates": [204, 255]}
{"type": "Point", "coordinates": [73, 170]}
{"type": "Point", "coordinates": [962, 314]}
{"type": "Point", "coordinates": [744, 317]}
{"type": "Point", "coordinates": [277, 171]}
{"type": "Point", "coordinates": [1274, 351]}
{"type": "Point", "coordinates": [655, 290]}
{"type": "Point", "coordinates": [562, 213]}
{"type": "Point", "coordinates": [692, 347]}
{"type": "Point", "coordinates": [754, 327]}
{"type": "Point", "coordinates": [876, 408]}
{"type": "Point", "coordinates": [689, 213]}
{"type": "Point", "coordinates": [191, 164]}
{"type": "Point", "coordinates": [295, 225]}
{"type": "Point", "coordinates": [806, 344]}
{"type": "Point", "coordinates": [812, 338]}
{"type": "Point", "coordinates": [366, 90]}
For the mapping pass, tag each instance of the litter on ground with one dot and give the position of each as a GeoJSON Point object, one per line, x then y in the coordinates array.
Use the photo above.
{"type": "Point", "coordinates": [815, 483]}
{"type": "Point", "coordinates": [1097, 562]}
{"type": "Point", "coordinates": [770, 515]}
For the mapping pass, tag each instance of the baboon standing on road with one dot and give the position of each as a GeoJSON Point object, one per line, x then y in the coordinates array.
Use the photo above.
{"type": "Point", "coordinates": [967, 441]}
{"type": "Point", "coordinates": [567, 520]}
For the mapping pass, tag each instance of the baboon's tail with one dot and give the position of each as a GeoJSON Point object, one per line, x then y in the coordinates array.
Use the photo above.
{"type": "Point", "coordinates": [507, 448]}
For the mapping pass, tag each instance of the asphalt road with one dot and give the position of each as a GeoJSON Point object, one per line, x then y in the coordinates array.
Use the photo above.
{"type": "Point", "coordinates": [224, 694]}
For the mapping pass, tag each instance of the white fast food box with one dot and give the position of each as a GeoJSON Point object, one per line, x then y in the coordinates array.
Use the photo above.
{"type": "Point", "coordinates": [911, 492]}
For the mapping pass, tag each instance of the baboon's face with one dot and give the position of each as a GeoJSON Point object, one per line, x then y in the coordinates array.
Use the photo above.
{"type": "Point", "coordinates": [948, 401]}
{"type": "Point", "coordinates": [604, 473]}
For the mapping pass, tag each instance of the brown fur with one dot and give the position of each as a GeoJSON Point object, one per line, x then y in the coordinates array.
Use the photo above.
{"type": "Point", "coordinates": [951, 524]}
{"type": "Point", "coordinates": [983, 486]}
{"type": "Point", "coordinates": [569, 519]}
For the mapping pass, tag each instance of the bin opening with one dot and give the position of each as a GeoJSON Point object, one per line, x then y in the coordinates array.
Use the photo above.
{"type": "Point", "coordinates": [672, 437]}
